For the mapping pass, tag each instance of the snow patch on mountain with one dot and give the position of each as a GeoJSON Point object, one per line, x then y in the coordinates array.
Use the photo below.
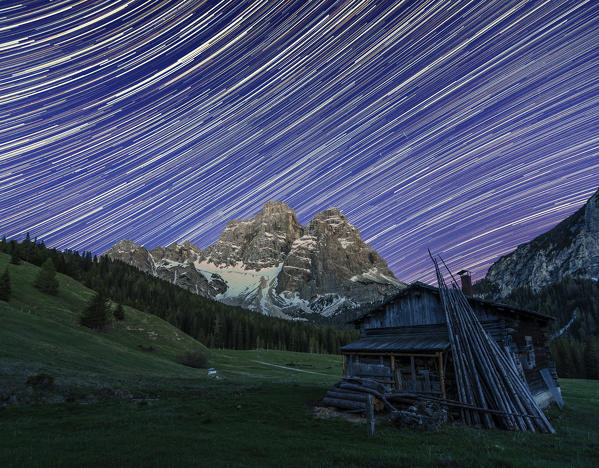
{"type": "Point", "coordinates": [243, 284]}
{"type": "Point", "coordinates": [374, 275]}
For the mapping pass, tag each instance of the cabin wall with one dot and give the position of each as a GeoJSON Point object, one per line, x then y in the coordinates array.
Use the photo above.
{"type": "Point", "coordinates": [398, 372]}
{"type": "Point", "coordinates": [369, 366]}
{"type": "Point", "coordinates": [532, 359]}
{"type": "Point", "coordinates": [484, 312]}
{"type": "Point", "coordinates": [418, 308]}
{"type": "Point", "coordinates": [534, 352]}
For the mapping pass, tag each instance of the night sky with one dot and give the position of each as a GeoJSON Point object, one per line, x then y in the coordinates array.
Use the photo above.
{"type": "Point", "coordinates": [466, 127]}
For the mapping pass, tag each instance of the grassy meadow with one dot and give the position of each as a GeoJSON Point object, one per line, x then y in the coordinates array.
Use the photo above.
{"type": "Point", "coordinates": [115, 404]}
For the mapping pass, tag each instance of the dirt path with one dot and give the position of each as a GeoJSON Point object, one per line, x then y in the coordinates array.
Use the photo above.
{"type": "Point", "coordinates": [291, 368]}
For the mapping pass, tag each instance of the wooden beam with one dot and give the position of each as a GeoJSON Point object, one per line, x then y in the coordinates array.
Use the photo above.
{"type": "Point", "coordinates": [413, 367]}
{"type": "Point", "coordinates": [397, 380]}
{"type": "Point", "coordinates": [382, 353]}
{"type": "Point", "coordinates": [393, 372]}
{"type": "Point", "coordinates": [427, 380]}
{"type": "Point", "coordinates": [344, 365]}
{"type": "Point", "coordinates": [442, 375]}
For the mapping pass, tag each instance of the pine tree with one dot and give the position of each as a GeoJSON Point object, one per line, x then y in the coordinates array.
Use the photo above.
{"type": "Point", "coordinates": [5, 286]}
{"type": "Point", "coordinates": [97, 312]}
{"type": "Point", "coordinates": [14, 253]}
{"type": "Point", "coordinates": [46, 280]}
{"type": "Point", "coordinates": [119, 312]}
{"type": "Point", "coordinates": [591, 358]}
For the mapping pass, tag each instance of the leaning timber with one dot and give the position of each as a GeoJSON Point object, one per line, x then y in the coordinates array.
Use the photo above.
{"type": "Point", "coordinates": [485, 368]}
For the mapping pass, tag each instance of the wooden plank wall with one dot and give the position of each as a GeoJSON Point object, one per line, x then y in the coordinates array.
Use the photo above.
{"type": "Point", "coordinates": [421, 308]}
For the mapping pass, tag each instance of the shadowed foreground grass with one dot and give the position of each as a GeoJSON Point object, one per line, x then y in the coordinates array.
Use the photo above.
{"type": "Point", "coordinates": [270, 424]}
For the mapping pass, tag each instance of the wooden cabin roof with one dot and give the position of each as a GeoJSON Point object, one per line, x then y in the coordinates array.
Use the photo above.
{"type": "Point", "coordinates": [417, 338]}
{"type": "Point", "coordinates": [418, 286]}
{"type": "Point", "coordinates": [402, 339]}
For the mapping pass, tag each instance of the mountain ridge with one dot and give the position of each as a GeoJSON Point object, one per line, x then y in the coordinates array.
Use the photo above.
{"type": "Point", "coordinates": [273, 264]}
{"type": "Point", "coordinates": [571, 248]}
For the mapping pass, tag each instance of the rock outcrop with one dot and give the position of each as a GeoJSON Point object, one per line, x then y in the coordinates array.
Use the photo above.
{"type": "Point", "coordinates": [133, 254]}
{"type": "Point", "coordinates": [262, 242]}
{"type": "Point", "coordinates": [332, 257]}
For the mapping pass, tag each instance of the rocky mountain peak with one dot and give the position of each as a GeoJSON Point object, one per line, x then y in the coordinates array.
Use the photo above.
{"type": "Point", "coordinates": [176, 252]}
{"type": "Point", "coordinates": [278, 217]}
{"type": "Point", "coordinates": [125, 245]}
{"type": "Point", "coordinates": [331, 256]}
{"type": "Point", "coordinates": [187, 245]}
{"type": "Point", "coordinates": [275, 207]}
{"type": "Point", "coordinates": [591, 213]}
{"type": "Point", "coordinates": [333, 223]}
{"type": "Point", "coordinates": [330, 212]}
{"type": "Point", "coordinates": [329, 216]}
{"type": "Point", "coordinates": [258, 243]}
{"type": "Point", "coordinates": [129, 252]}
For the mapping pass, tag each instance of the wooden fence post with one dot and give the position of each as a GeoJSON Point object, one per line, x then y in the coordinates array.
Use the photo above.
{"type": "Point", "coordinates": [370, 415]}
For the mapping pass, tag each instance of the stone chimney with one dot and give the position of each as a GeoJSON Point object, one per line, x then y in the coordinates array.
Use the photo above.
{"type": "Point", "coordinates": [466, 280]}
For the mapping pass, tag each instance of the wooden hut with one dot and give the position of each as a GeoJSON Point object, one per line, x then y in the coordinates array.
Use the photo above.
{"type": "Point", "coordinates": [404, 344]}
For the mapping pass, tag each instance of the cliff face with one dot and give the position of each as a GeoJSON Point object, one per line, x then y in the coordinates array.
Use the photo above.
{"type": "Point", "coordinates": [261, 242]}
{"type": "Point", "coordinates": [332, 257]}
{"type": "Point", "coordinates": [569, 249]}
{"type": "Point", "coordinates": [273, 264]}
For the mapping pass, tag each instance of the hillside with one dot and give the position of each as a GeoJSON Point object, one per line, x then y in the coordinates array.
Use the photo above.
{"type": "Point", "coordinates": [574, 302]}
{"type": "Point", "coordinates": [42, 334]}
{"type": "Point", "coordinates": [557, 274]}
{"type": "Point", "coordinates": [211, 322]}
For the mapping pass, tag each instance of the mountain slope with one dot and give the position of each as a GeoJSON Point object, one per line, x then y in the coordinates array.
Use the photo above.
{"type": "Point", "coordinates": [274, 265]}
{"type": "Point", "coordinates": [41, 334]}
{"type": "Point", "coordinates": [569, 249]}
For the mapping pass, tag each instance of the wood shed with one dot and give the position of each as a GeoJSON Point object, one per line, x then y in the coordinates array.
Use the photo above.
{"type": "Point", "coordinates": [404, 344]}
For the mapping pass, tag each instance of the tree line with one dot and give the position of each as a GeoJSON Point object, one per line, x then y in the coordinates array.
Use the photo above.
{"type": "Point", "coordinates": [215, 324]}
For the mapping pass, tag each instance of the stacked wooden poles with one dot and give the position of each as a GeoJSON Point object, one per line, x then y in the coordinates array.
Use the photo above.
{"type": "Point", "coordinates": [485, 376]}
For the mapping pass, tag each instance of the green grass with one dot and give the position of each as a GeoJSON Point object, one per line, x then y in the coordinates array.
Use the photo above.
{"type": "Point", "coordinates": [42, 334]}
{"type": "Point", "coordinates": [270, 424]}
{"type": "Point", "coordinates": [257, 414]}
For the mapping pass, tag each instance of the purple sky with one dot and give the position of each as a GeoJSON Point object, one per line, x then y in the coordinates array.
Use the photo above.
{"type": "Point", "coordinates": [466, 127]}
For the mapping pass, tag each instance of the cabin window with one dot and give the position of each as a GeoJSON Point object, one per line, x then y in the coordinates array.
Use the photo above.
{"type": "Point", "coordinates": [529, 353]}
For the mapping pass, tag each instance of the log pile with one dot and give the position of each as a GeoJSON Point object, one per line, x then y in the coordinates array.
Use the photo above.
{"type": "Point", "coordinates": [352, 394]}
{"type": "Point", "coordinates": [492, 392]}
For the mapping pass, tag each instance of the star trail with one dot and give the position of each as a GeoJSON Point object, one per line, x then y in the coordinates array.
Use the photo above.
{"type": "Point", "coordinates": [467, 127]}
